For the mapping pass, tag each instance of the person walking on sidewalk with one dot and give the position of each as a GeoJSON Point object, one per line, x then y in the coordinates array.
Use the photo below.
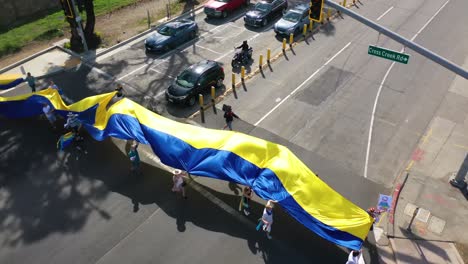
{"type": "Point", "coordinates": [134, 159]}
{"type": "Point", "coordinates": [49, 112]}
{"type": "Point", "coordinates": [267, 218]}
{"type": "Point", "coordinates": [229, 116]}
{"type": "Point", "coordinates": [179, 183]}
{"type": "Point", "coordinates": [245, 200]}
{"type": "Point", "coordinates": [31, 82]}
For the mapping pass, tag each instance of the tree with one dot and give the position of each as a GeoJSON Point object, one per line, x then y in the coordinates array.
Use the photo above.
{"type": "Point", "coordinates": [92, 39]}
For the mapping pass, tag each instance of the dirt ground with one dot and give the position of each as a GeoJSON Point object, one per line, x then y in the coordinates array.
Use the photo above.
{"type": "Point", "coordinates": [114, 27]}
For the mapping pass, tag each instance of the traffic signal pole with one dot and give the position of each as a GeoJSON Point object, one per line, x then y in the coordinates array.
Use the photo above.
{"type": "Point", "coordinates": [405, 42]}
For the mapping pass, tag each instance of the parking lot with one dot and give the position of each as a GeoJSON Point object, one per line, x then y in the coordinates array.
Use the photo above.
{"type": "Point", "coordinates": [150, 74]}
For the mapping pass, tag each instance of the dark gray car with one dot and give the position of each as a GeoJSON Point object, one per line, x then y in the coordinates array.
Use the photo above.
{"type": "Point", "coordinates": [293, 20]}
{"type": "Point", "coordinates": [265, 11]}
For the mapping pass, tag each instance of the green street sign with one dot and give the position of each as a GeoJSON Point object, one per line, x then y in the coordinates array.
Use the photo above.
{"type": "Point", "coordinates": [388, 54]}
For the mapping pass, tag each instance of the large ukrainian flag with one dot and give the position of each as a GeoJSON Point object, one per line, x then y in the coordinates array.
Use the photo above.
{"type": "Point", "coordinates": [272, 170]}
{"type": "Point", "coordinates": [10, 80]}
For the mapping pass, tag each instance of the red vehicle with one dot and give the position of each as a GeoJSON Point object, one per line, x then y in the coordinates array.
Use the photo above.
{"type": "Point", "coordinates": [221, 8]}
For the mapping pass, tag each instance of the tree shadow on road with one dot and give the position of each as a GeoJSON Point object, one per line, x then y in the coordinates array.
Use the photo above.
{"type": "Point", "coordinates": [41, 192]}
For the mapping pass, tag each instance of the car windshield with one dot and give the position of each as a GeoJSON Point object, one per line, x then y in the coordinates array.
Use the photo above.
{"type": "Point", "coordinates": [262, 7]}
{"type": "Point", "coordinates": [167, 31]}
{"type": "Point", "coordinates": [187, 79]}
{"type": "Point", "coordinates": [292, 16]}
{"type": "Point", "coordinates": [223, 1]}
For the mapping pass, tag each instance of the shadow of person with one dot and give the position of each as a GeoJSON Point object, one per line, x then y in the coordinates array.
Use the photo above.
{"type": "Point", "coordinates": [235, 188]}
{"type": "Point", "coordinates": [180, 214]}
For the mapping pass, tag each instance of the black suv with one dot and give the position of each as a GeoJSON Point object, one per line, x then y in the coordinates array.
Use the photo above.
{"type": "Point", "coordinates": [196, 79]}
{"type": "Point", "coordinates": [264, 11]}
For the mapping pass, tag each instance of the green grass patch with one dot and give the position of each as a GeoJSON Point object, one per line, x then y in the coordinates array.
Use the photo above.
{"type": "Point", "coordinates": [49, 26]}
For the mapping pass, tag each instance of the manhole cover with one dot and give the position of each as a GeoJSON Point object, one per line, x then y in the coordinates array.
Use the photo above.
{"type": "Point", "coordinates": [436, 225]}
{"type": "Point", "coordinates": [409, 209]}
{"type": "Point", "coordinates": [423, 215]}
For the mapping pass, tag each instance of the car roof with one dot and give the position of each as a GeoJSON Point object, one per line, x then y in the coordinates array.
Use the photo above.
{"type": "Point", "coordinates": [179, 22]}
{"type": "Point", "coordinates": [300, 8]}
{"type": "Point", "coordinates": [202, 66]}
{"type": "Point", "coordinates": [268, 2]}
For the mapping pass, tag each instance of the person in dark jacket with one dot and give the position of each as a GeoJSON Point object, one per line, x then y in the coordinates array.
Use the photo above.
{"type": "Point", "coordinates": [229, 116]}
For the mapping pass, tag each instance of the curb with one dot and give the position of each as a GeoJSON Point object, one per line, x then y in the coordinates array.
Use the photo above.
{"type": "Point", "coordinates": [395, 197]}
{"type": "Point", "coordinates": [18, 63]}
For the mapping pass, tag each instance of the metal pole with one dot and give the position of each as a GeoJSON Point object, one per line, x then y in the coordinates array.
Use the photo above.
{"type": "Point", "coordinates": [80, 27]}
{"type": "Point", "coordinates": [405, 42]}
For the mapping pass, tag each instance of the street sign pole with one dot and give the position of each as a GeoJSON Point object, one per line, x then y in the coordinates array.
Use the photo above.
{"type": "Point", "coordinates": [388, 54]}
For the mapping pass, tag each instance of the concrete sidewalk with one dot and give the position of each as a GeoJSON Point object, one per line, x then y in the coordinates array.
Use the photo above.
{"type": "Point", "coordinates": [41, 65]}
{"type": "Point", "coordinates": [430, 216]}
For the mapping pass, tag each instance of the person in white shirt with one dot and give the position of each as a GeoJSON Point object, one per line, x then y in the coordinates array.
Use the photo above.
{"type": "Point", "coordinates": [267, 218]}
{"type": "Point", "coordinates": [179, 184]}
{"type": "Point", "coordinates": [49, 113]}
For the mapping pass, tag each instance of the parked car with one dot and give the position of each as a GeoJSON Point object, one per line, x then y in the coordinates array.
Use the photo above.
{"type": "Point", "coordinates": [171, 35]}
{"type": "Point", "coordinates": [293, 20]}
{"type": "Point", "coordinates": [196, 79]}
{"type": "Point", "coordinates": [264, 11]}
{"type": "Point", "coordinates": [221, 8]}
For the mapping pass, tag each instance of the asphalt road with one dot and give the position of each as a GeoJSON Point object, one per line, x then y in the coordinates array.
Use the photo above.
{"type": "Point", "coordinates": [57, 210]}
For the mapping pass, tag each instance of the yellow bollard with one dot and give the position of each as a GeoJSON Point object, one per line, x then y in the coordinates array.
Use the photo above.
{"type": "Point", "coordinates": [202, 110]}
{"type": "Point", "coordinates": [304, 30]}
{"type": "Point", "coordinates": [213, 92]}
{"type": "Point", "coordinates": [284, 44]}
{"type": "Point", "coordinates": [344, 3]}
{"type": "Point", "coordinates": [233, 79]}
{"type": "Point", "coordinates": [260, 62]}
{"type": "Point", "coordinates": [311, 25]}
{"type": "Point", "coordinates": [268, 55]}
{"type": "Point", "coordinates": [242, 72]}
{"type": "Point", "coordinates": [329, 14]}
{"type": "Point", "coordinates": [291, 39]}
{"type": "Point", "coordinates": [200, 100]}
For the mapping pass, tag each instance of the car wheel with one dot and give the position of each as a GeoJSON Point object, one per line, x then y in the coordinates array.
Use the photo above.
{"type": "Point", "coordinates": [224, 14]}
{"type": "Point", "coordinates": [219, 83]}
{"type": "Point", "coordinates": [191, 101]}
{"type": "Point", "coordinates": [265, 22]}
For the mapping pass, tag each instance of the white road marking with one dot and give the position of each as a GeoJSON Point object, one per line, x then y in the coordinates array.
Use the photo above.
{"type": "Point", "coordinates": [227, 53]}
{"type": "Point", "coordinates": [165, 55]}
{"type": "Point", "coordinates": [380, 89]}
{"type": "Point", "coordinates": [380, 17]}
{"type": "Point", "coordinates": [302, 84]}
{"type": "Point", "coordinates": [208, 49]}
{"type": "Point", "coordinates": [235, 26]}
{"type": "Point", "coordinates": [158, 71]}
{"type": "Point", "coordinates": [176, 50]}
